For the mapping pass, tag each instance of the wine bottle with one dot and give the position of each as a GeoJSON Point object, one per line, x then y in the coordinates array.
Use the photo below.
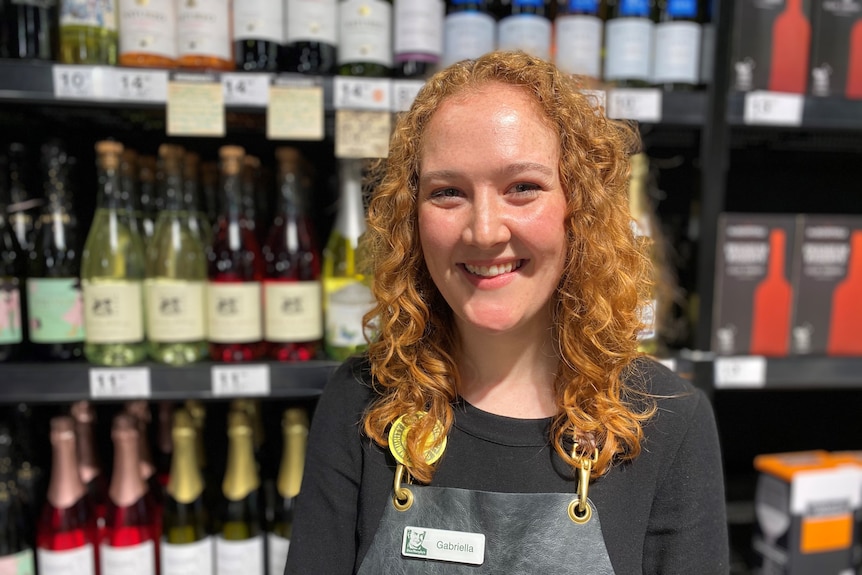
{"type": "Point", "coordinates": [843, 338]}
{"type": "Point", "coordinates": [295, 437]}
{"type": "Point", "coordinates": [30, 29]}
{"type": "Point", "coordinates": [176, 274]}
{"type": "Point", "coordinates": [258, 31]}
{"type": "Point", "coordinates": [12, 271]}
{"type": "Point", "coordinates": [16, 554]}
{"type": "Point", "coordinates": [251, 408]}
{"type": "Point", "coordinates": [235, 272]}
{"type": "Point", "coordinates": [365, 38]}
{"type": "Point", "coordinates": [526, 26]}
{"type": "Point", "coordinates": [66, 533]}
{"type": "Point", "coordinates": [29, 474]}
{"type": "Point", "coordinates": [310, 37]}
{"type": "Point", "coordinates": [642, 225]}
{"type": "Point", "coordinates": [130, 197]}
{"type": "Point", "coordinates": [773, 302]}
{"type": "Point", "coordinates": [629, 43]}
{"type": "Point", "coordinates": [204, 35]}
{"type": "Point", "coordinates": [678, 33]}
{"type": "Point", "coordinates": [239, 541]}
{"type": "Point", "coordinates": [129, 543]}
{"type": "Point", "coordinates": [293, 319]}
{"type": "Point", "coordinates": [148, 35]}
{"type": "Point", "coordinates": [23, 207]}
{"type": "Point", "coordinates": [112, 270]}
{"type": "Point", "coordinates": [139, 410]}
{"type": "Point", "coordinates": [251, 180]}
{"type": "Point", "coordinates": [148, 195]}
{"type": "Point", "coordinates": [199, 221]}
{"type": "Point", "coordinates": [469, 30]}
{"type": "Point", "coordinates": [55, 304]}
{"type": "Point", "coordinates": [89, 466]}
{"type": "Point", "coordinates": [417, 37]}
{"type": "Point", "coordinates": [164, 443]}
{"type": "Point", "coordinates": [791, 40]}
{"type": "Point", "coordinates": [88, 32]}
{"type": "Point", "coordinates": [209, 176]}
{"type": "Point", "coordinates": [187, 546]}
{"type": "Point", "coordinates": [346, 295]}
{"type": "Point", "coordinates": [579, 38]}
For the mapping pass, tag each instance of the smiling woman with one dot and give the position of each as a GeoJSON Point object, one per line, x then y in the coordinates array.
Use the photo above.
{"type": "Point", "coordinates": [508, 284]}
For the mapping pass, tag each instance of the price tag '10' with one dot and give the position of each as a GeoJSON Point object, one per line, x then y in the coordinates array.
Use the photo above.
{"type": "Point", "coordinates": [79, 82]}
{"type": "Point", "coordinates": [120, 383]}
{"type": "Point", "coordinates": [240, 380]}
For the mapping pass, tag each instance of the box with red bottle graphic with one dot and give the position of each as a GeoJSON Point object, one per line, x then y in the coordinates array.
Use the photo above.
{"type": "Point", "coordinates": [836, 49]}
{"type": "Point", "coordinates": [753, 300]}
{"type": "Point", "coordinates": [828, 286]}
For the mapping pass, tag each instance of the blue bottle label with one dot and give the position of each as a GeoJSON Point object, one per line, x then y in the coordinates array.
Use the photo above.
{"type": "Point", "coordinates": [584, 6]}
{"type": "Point", "coordinates": [682, 8]}
{"type": "Point", "coordinates": [537, 3]}
{"type": "Point", "coordinates": [634, 8]}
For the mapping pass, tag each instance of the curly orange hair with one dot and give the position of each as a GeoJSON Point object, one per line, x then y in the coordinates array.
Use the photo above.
{"type": "Point", "coordinates": [606, 279]}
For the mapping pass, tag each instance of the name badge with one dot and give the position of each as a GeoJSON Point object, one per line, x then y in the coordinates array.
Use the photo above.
{"type": "Point", "coordinates": [442, 545]}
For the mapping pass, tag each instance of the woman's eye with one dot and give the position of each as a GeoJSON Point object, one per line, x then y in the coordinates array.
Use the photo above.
{"type": "Point", "coordinates": [446, 193]}
{"type": "Point", "coordinates": [525, 188]}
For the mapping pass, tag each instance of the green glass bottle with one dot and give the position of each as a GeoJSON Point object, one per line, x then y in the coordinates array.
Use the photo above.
{"type": "Point", "coordinates": [112, 272]}
{"type": "Point", "coordinates": [88, 32]}
{"type": "Point", "coordinates": [176, 274]}
{"type": "Point", "coordinates": [365, 38]}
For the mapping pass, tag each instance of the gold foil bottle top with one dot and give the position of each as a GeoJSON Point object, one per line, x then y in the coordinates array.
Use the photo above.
{"type": "Point", "coordinates": [186, 483]}
{"type": "Point", "coordinates": [199, 415]}
{"type": "Point", "coordinates": [108, 154]}
{"type": "Point", "coordinates": [241, 476]}
{"type": "Point", "coordinates": [65, 487]}
{"type": "Point", "coordinates": [294, 426]}
{"type": "Point", "coordinates": [231, 159]}
{"type": "Point", "coordinates": [251, 408]}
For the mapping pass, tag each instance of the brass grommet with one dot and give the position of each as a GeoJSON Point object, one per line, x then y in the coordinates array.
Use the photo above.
{"type": "Point", "coordinates": [578, 516]}
{"type": "Point", "coordinates": [403, 499]}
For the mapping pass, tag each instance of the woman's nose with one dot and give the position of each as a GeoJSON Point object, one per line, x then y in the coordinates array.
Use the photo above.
{"type": "Point", "coordinates": [488, 224]}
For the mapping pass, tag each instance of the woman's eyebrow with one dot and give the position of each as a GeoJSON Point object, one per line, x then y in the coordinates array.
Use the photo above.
{"type": "Point", "coordinates": [509, 170]}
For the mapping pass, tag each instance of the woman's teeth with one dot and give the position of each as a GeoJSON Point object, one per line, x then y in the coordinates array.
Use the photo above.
{"type": "Point", "coordinates": [493, 271]}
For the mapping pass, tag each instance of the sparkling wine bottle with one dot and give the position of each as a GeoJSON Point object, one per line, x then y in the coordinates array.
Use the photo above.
{"type": "Point", "coordinates": [129, 544]}
{"type": "Point", "coordinates": [112, 270]}
{"type": "Point", "coordinates": [176, 274]}
{"type": "Point", "coordinates": [293, 322]}
{"type": "Point", "coordinates": [235, 273]}
{"type": "Point", "coordinates": [66, 533]}
{"type": "Point", "coordinates": [258, 31]}
{"type": "Point", "coordinates": [16, 554]}
{"type": "Point", "coordinates": [89, 466]}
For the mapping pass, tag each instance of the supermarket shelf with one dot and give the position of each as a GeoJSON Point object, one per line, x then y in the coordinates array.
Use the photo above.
{"type": "Point", "coordinates": [786, 373]}
{"type": "Point", "coordinates": [812, 112]}
{"type": "Point", "coordinates": [66, 382]}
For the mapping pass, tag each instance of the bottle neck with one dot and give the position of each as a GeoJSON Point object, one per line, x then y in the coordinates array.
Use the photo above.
{"type": "Point", "coordinates": [232, 192]}
{"type": "Point", "coordinates": [88, 461]}
{"type": "Point", "coordinates": [186, 483]}
{"type": "Point", "coordinates": [241, 476]}
{"type": "Point", "coordinates": [776, 254]}
{"type": "Point", "coordinates": [291, 202]}
{"type": "Point", "coordinates": [854, 267]}
{"type": "Point", "coordinates": [350, 221]}
{"type": "Point", "coordinates": [292, 459]}
{"type": "Point", "coordinates": [109, 189]}
{"type": "Point", "coordinates": [173, 193]}
{"type": "Point", "coordinates": [65, 487]}
{"type": "Point", "coordinates": [127, 487]}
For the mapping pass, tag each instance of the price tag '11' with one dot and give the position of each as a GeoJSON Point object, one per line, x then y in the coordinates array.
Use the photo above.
{"type": "Point", "coordinates": [773, 109]}
{"type": "Point", "coordinates": [240, 380]}
{"type": "Point", "coordinates": [120, 383]}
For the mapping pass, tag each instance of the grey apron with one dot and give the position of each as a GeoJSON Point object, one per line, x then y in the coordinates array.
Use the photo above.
{"type": "Point", "coordinates": [524, 533]}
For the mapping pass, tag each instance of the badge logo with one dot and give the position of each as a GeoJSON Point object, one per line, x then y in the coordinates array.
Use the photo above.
{"type": "Point", "coordinates": [434, 446]}
{"type": "Point", "coordinates": [414, 543]}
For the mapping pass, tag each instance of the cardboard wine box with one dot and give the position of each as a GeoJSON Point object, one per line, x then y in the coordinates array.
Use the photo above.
{"type": "Point", "coordinates": [805, 505]}
{"type": "Point", "coordinates": [753, 301]}
{"type": "Point", "coordinates": [836, 49]}
{"type": "Point", "coordinates": [828, 306]}
{"type": "Point", "coordinates": [771, 44]}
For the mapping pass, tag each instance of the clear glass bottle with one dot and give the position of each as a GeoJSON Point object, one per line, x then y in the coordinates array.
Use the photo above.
{"type": "Point", "coordinates": [365, 38]}
{"type": "Point", "coordinates": [258, 32]}
{"type": "Point", "coordinates": [148, 33]}
{"type": "Point", "coordinates": [88, 32]}
{"type": "Point", "coordinates": [204, 35]}
{"type": "Point", "coordinates": [311, 37]}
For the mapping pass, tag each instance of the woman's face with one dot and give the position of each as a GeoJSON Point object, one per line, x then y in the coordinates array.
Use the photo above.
{"type": "Point", "coordinates": [492, 209]}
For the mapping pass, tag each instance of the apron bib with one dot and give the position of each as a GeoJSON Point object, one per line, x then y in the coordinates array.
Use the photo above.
{"type": "Point", "coordinates": [446, 531]}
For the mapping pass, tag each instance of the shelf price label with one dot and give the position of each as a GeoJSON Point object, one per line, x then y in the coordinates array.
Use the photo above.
{"type": "Point", "coordinates": [404, 92]}
{"type": "Point", "coordinates": [246, 89]}
{"type": "Point", "coordinates": [79, 82]}
{"type": "Point", "coordinates": [119, 382]}
{"type": "Point", "coordinates": [351, 93]}
{"type": "Point", "coordinates": [773, 109]}
{"type": "Point", "coordinates": [240, 380]}
{"type": "Point", "coordinates": [140, 85]}
{"type": "Point", "coordinates": [598, 98]}
{"type": "Point", "coordinates": [742, 372]}
{"type": "Point", "coordinates": [362, 133]}
{"type": "Point", "coordinates": [195, 106]}
{"type": "Point", "coordinates": [295, 110]}
{"type": "Point", "coordinates": [640, 104]}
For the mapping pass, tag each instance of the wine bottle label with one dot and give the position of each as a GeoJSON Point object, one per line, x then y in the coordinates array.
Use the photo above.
{"type": "Point", "coordinates": [80, 561]}
{"type": "Point", "coordinates": [10, 311]}
{"type": "Point", "coordinates": [633, 8]}
{"type": "Point", "coordinates": [365, 32]}
{"type": "Point", "coordinates": [527, 32]}
{"type": "Point", "coordinates": [677, 52]}
{"type": "Point", "coordinates": [467, 35]}
{"type": "Point", "coordinates": [21, 563]}
{"type": "Point", "coordinates": [239, 557]}
{"type": "Point", "coordinates": [419, 27]}
{"type": "Point", "coordinates": [233, 312]}
{"type": "Point", "coordinates": [579, 44]}
{"type": "Point", "coordinates": [648, 317]}
{"type": "Point", "coordinates": [148, 27]}
{"type": "Point", "coordinates": [278, 548]}
{"type": "Point", "coordinates": [55, 309]}
{"type": "Point", "coordinates": [681, 9]}
{"type": "Point", "coordinates": [189, 558]}
{"type": "Point", "coordinates": [347, 302]}
{"type": "Point", "coordinates": [203, 28]}
{"type": "Point", "coordinates": [175, 310]}
{"type": "Point", "coordinates": [628, 49]}
{"type": "Point", "coordinates": [294, 311]}
{"type": "Point", "coordinates": [137, 559]}
{"type": "Point", "coordinates": [258, 20]}
{"type": "Point", "coordinates": [113, 311]}
{"type": "Point", "coordinates": [311, 21]}
{"type": "Point", "coordinates": [101, 14]}
{"type": "Point", "coordinates": [584, 6]}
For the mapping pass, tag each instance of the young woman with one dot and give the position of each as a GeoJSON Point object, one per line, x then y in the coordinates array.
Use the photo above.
{"type": "Point", "coordinates": [502, 420]}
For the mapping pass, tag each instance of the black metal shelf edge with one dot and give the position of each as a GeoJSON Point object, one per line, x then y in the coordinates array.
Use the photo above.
{"type": "Point", "coordinates": [795, 373]}
{"type": "Point", "coordinates": [684, 108]}
{"type": "Point", "coordinates": [67, 382]}
{"type": "Point", "coordinates": [817, 113]}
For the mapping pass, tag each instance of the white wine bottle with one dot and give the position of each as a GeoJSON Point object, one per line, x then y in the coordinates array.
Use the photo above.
{"type": "Point", "coordinates": [365, 38]}
{"type": "Point", "coordinates": [347, 296]}
{"type": "Point", "coordinates": [643, 225]}
{"type": "Point", "coordinates": [239, 541]}
{"type": "Point", "coordinates": [294, 426]}
{"type": "Point", "coordinates": [176, 275]}
{"type": "Point", "coordinates": [112, 272]}
{"type": "Point", "coordinates": [187, 546]}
